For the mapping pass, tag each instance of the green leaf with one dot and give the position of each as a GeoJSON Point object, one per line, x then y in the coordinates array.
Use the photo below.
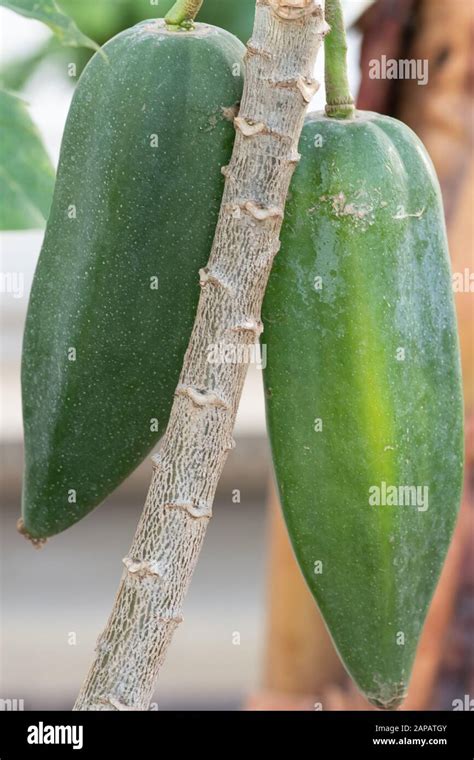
{"type": "Point", "coordinates": [15, 73]}
{"type": "Point", "coordinates": [26, 173]}
{"type": "Point", "coordinates": [50, 14]}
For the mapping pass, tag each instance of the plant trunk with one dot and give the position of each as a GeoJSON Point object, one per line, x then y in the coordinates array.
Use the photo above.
{"type": "Point", "coordinates": [278, 86]}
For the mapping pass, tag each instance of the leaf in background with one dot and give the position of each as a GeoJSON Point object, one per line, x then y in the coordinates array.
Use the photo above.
{"type": "Point", "coordinates": [48, 12]}
{"type": "Point", "coordinates": [15, 73]}
{"type": "Point", "coordinates": [26, 173]}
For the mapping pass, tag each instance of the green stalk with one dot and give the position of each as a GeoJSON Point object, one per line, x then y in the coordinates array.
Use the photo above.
{"type": "Point", "coordinates": [183, 13]}
{"type": "Point", "coordinates": [339, 101]}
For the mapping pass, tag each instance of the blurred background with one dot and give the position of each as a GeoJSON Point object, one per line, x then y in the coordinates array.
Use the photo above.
{"type": "Point", "coordinates": [252, 636]}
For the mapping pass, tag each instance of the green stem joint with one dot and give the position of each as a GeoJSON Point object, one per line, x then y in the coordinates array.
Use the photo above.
{"type": "Point", "coordinates": [339, 101]}
{"type": "Point", "coordinates": [182, 14]}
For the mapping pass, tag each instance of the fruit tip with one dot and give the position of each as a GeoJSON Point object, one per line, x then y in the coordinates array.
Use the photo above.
{"type": "Point", "coordinates": [390, 703]}
{"type": "Point", "coordinates": [38, 543]}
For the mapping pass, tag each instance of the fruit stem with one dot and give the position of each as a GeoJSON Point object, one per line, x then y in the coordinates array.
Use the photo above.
{"type": "Point", "coordinates": [339, 101]}
{"type": "Point", "coordinates": [182, 14]}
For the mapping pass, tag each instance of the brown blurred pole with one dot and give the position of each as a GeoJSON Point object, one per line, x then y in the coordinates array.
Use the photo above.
{"type": "Point", "coordinates": [431, 649]}
{"type": "Point", "coordinates": [299, 660]}
{"type": "Point", "coordinates": [440, 112]}
{"type": "Point", "coordinates": [300, 657]}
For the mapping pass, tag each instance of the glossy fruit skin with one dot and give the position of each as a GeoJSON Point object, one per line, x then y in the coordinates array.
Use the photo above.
{"type": "Point", "coordinates": [365, 215]}
{"type": "Point", "coordinates": [116, 287]}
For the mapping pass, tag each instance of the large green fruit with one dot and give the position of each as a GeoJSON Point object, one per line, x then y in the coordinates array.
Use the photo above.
{"type": "Point", "coordinates": [363, 389]}
{"type": "Point", "coordinates": [115, 291]}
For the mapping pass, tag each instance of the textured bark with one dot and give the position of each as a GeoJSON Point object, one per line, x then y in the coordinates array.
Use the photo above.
{"type": "Point", "coordinates": [278, 86]}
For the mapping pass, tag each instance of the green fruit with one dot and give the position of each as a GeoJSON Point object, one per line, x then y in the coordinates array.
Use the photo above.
{"type": "Point", "coordinates": [116, 288]}
{"type": "Point", "coordinates": [363, 389]}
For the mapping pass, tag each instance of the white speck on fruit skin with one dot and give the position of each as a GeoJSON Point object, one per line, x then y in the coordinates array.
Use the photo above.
{"type": "Point", "coordinates": [402, 214]}
{"type": "Point", "coordinates": [360, 209]}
